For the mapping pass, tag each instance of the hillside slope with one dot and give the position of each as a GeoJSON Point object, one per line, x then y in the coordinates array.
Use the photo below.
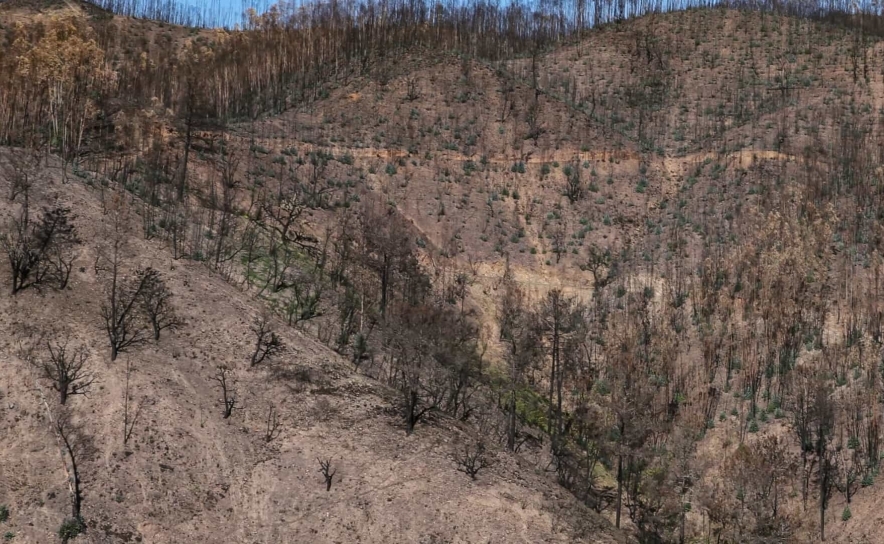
{"type": "Point", "coordinates": [187, 475]}
{"type": "Point", "coordinates": [705, 184]}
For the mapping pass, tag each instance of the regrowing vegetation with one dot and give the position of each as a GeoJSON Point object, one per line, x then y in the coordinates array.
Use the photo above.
{"type": "Point", "coordinates": [637, 246]}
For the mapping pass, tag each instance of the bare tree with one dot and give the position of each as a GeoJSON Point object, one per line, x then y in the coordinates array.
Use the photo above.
{"type": "Point", "coordinates": [413, 368]}
{"type": "Point", "coordinates": [284, 213]}
{"type": "Point", "coordinates": [267, 343]}
{"type": "Point", "coordinates": [473, 458]}
{"type": "Point", "coordinates": [21, 172]}
{"type": "Point", "coordinates": [304, 296]}
{"type": "Point", "coordinates": [559, 236]}
{"type": "Point", "coordinates": [573, 182]}
{"type": "Point", "coordinates": [38, 251]}
{"type": "Point", "coordinates": [123, 321]}
{"type": "Point", "coordinates": [412, 93]}
{"type": "Point", "coordinates": [67, 370]}
{"type": "Point", "coordinates": [599, 264]}
{"type": "Point", "coordinates": [228, 389]}
{"type": "Point", "coordinates": [156, 303]}
{"type": "Point", "coordinates": [327, 472]}
{"type": "Point", "coordinates": [59, 255]}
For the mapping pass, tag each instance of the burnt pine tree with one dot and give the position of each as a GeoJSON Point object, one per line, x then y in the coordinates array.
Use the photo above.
{"type": "Point", "coordinates": [327, 472]}
{"type": "Point", "coordinates": [58, 259]}
{"type": "Point", "coordinates": [67, 371]}
{"type": "Point", "coordinates": [267, 342]}
{"type": "Point", "coordinates": [38, 251]}
{"type": "Point", "coordinates": [124, 321]}
{"type": "Point", "coordinates": [156, 303]}
{"type": "Point", "coordinates": [473, 458]}
{"type": "Point", "coordinates": [228, 389]}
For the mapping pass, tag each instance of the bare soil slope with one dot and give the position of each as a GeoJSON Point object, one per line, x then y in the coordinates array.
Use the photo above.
{"type": "Point", "coordinates": [187, 475]}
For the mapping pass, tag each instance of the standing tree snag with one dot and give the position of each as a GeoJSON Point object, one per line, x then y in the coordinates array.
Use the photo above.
{"type": "Point", "coordinates": [267, 343]}
{"type": "Point", "coordinates": [156, 303]}
{"type": "Point", "coordinates": [66, 369]}
{"type": "Point", "coordinates": [123, 321]}
{"type": "Point", "coordinates": [327, 472]}
{"type": "Point", "coordinates": [228, 389]}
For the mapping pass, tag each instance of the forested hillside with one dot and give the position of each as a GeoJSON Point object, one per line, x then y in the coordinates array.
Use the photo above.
{"type": "Point", "coordinates": [400, 272]}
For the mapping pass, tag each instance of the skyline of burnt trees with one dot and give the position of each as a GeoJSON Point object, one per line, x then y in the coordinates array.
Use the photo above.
{"type": "Point", "coordinates": [59, 79]}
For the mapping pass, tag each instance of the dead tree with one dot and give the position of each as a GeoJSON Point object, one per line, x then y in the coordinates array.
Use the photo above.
{"type": "Point", "coordinates": [228, 389]}
{"type": "Point", "coordinates": [412, 93]}
{"type": "Point", "coordinates": [267, 343]}
{"type": "Point", "coordinates": [473, 458]}
{"type": "Point", "coordinates": [123, 321]}
{"type": "Point", "coordinates": [573, 182]}
{"type": "Point", "coordinates": [273, 427]}
{"type": "Point", "coordinates": [39, 251]}
{"type": "Point", "coordinates": [327, 472]}
{"type": "Point", "coordinates": [599, 263]}
{"type": "Point", "coordinates": [21, 172]}
{"type": "Point", "coordinates": [59, 257]}
{"type": "Point", "coordinates": [67, 371]}
{"type": "Point", "coordinates": [156, 304]}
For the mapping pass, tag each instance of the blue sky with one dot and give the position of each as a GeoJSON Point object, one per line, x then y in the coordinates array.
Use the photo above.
{"type": "Point", "coordinates": [228, 12]}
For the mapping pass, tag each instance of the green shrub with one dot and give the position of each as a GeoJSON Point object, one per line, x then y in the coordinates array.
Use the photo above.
{"type": "Point", "coordinates": [71, 528]}
{"type": "Point", "coordinates": [4, 513]}
{"type": "Point", "coordinates": [602, 388]}
{"type": "Point", "coordinates": [846, 515]}
{"type": "Point", "coordinates": [868, 480]}
{"type": "Point", "coordinates": [260, 149]}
